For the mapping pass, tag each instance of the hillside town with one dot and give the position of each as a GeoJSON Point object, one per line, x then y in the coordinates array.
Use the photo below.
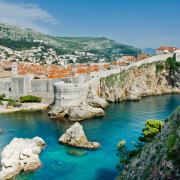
{"type": "Point", "coordinates": [47, 64]}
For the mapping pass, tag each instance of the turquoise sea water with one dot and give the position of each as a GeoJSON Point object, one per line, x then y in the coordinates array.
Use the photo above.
{"type": "Point", "coordinates": [123, 120]}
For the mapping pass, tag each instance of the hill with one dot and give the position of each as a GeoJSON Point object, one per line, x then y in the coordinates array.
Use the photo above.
{"type": "Point", "coordinates": [79, 49]}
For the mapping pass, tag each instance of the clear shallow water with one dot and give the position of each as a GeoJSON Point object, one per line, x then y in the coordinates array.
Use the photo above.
{"type": "Point", "coordinates": [123, 120]}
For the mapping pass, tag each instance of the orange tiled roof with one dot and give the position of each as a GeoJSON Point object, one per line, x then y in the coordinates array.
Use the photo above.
{"type": "Point", "coordinates": [56, 71]}
{"type": "Point", "coordinates": [170, 49]}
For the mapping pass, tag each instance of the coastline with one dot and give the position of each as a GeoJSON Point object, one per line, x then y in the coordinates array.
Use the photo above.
{"type": "Point", "coordinates": [25, 107]}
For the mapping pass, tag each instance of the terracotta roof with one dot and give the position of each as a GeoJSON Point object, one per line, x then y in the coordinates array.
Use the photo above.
{"type": "Point", "coordinates": [164, 48]}
{"type": "Point", "coordinates": [56, 71]}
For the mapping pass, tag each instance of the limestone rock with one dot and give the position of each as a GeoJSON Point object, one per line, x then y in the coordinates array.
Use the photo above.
{"type": "Point", "coordinates": [137, 82]}
{"type": "Point", "coordinates": [75, 136]}
{"type": "Point", "coordinates": [20, 155]}
{"type": "Point", "coordinates": [84, 111]}
{"type": "Point", "coordinates": [97, 101]}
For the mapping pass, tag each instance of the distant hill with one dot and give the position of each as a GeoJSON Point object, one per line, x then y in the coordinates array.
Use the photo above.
{"type": "Point", "coordinates": [23, 39]}
{"type": "Point", "coordinates": [149, 51]}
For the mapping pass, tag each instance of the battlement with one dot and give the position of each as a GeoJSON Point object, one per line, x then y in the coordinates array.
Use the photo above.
{"type": "Point", "coordinates": [71, 91]}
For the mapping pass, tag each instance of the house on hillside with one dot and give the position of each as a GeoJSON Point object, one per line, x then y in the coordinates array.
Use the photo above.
{"type": "Point", "coordinates": [127, 59]}
{"type": "Point", "coordinates": [165, 50]}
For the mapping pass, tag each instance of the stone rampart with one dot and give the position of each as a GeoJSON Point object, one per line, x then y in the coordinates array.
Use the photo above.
{"type": "Point", "coordinates": [67, 91]}
{"type": "Point", "coordinates": [17, 86]}
{"type": "Point", "coordinates": [74, 91]}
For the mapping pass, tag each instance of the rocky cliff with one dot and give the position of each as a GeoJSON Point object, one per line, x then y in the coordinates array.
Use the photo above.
{"type": "Point", "coordinates": [139, 81]}
{"type": "Point", "coordinates": [127, 83]}
{"type": "Point", "coordinates": [159, 159]}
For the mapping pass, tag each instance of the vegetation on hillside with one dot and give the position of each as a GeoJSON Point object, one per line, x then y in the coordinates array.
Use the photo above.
{"type": "Point", "coordinates": [159, 67]}
{"type": "Point", "coordinates": [172, 65]}
{"type": "Point", "coordinates": [22, 39]}
{"type": "Point", "coordinates": [158, 158]}
{"type": "Point", "coordinates": [152, 128]}
{"type": "Point", "coordinates": [9, 102]}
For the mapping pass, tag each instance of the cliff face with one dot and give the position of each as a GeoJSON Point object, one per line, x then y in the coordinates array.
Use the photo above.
{"type": "Point", "coordinates": [129, 83]}
{"type": "Point", "coordinates": [145, 80]}
{"type": "Point", "coordinates": [159, 159]}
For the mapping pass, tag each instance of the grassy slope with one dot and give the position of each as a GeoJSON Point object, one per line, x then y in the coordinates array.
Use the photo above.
{"type": "Point", "coordinates": [18, 39]}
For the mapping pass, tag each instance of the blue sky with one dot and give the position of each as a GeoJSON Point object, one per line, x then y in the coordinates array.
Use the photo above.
{"type": "Point", "coordinates": [142, 23]}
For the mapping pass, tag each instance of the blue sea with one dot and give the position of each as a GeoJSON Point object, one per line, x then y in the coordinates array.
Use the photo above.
{"type": "Point", "coordinates": [123, 120]}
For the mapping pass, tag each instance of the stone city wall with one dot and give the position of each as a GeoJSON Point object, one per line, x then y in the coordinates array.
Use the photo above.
{"type": "Point", "coordinates": [67, 91]}
{"type": "Point", "coordinates": [74, 91]}
{"type": "Point", "coordinates": [16, 86]}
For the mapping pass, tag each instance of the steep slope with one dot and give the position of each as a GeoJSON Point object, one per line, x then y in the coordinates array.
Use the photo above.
{"type": "Point", "coordinates": [138, 81]}
{"type": "Point", "coordinates": [21, 39]}
{"type": "Point", "coordinates": [159, 159]}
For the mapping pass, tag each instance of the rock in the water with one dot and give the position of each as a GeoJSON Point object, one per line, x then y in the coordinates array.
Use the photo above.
{"type": "Point", "coordinates": [121, 144]}
{"type": "Point", "coordinates": [75, 136]}
{"type": "Point", "coordinates": [20, 155]}
{"type": "Point", "coordinates": [76, 152]}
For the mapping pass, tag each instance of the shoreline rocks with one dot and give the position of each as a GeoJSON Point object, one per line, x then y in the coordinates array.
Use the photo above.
{"type": "Point", "coordinates": [138, 82]}
{"type": "Point", "coordinates": [78, 113]}
{"type": "Point", "coordinates": [26, 107]}
{"type": "Point", "coordinates": [75, 136]}
{"type": "Point", "coordinates": [20, 155]}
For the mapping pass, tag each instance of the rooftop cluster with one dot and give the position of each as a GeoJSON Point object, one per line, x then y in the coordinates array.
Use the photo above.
{"type": "Point", "coordinates": [166, 49]}
{"type": "Point", "coordinates": [61, 71]}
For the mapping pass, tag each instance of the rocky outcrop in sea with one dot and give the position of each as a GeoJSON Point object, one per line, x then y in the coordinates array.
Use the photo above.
{"type": "Point", "coordinates": [159, 159]}
{"type": "Point", "coordinates": [75, 136]}
{"type": "Point", "coordinates": [20, 155]}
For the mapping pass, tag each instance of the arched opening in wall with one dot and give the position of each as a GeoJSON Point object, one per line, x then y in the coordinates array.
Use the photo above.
{"type": "Point", "coordinates": [9, 89]}
{"type": "Point", "coordinates": [66, 116]}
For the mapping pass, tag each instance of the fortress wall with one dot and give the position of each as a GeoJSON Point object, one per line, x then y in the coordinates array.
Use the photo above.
{"type": "Point", "coordinates": [68, 91]}
{"type": "Point", "coordinates": [42, 85]}
{"type": "Point", "coordinates": [71, 93]}
{"type": "Point", "coordinates": [5, 86]}
{"type": "Point", "coordinates": [178, 56]}
{"type": "Point", "coordinates": [17, 86]}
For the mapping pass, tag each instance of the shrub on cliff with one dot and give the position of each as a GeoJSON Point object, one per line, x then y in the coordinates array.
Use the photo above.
{"type": "Point", "coordinates": [30, 99]}
{"type": "Point", "coordinates": [152, 128]}
{"type": "Point", "coordinates": [2, 96]}
{"type": "Point", "coordinates": [172, 65]}
{"type": "Point", "coordinates": [173, 147]}
{"type": "Point", "coordinates": [159, 68]}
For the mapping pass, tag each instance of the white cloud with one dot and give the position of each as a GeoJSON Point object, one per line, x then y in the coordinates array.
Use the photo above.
{"type": "Point", "coordinates": [26, 15]}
